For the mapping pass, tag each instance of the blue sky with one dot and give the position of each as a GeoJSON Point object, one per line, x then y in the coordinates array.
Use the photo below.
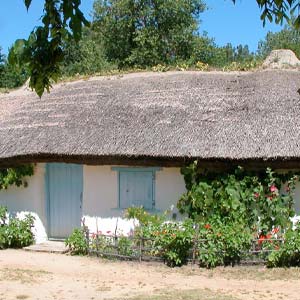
{"type": "Point", "coordinates": [237, 24]}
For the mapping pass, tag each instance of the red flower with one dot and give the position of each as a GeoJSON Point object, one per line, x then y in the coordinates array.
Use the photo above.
{"type": "Point", "coordinates": [256, 195]}
{"type": "Point", "coordinates": [270, 197]}
{"type": "Point", "coordinates": [207, 226]}
{"type": "Point", "coordinates": [268, 236]}
{"type": "Point", "coordinates": [275, 230]}
{"type": "Point", "coordinates": [273, 189]}
{"type": "Point", "coordinates": [261, 239]}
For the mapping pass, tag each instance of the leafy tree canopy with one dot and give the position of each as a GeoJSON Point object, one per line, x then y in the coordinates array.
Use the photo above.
{"type": "Point", "coordinates": [287, 38]}
{"type": "Point", "coordinates": [279, 10]}
{"type": "Point", "coordinates": [132, 22]}
{"type": "Point", "coordinates": [145, 33]}
{"type": "Point", "coordinates": [42, 52]}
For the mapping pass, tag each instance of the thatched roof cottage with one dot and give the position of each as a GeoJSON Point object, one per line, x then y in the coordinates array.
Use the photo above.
{"type": "Point", "coordinates": [103, 144]}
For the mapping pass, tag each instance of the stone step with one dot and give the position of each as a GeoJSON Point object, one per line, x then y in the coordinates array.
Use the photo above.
{"type": "Point", "coordinates": [48, 247]}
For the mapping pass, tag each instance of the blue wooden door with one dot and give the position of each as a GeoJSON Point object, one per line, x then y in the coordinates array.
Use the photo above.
{"type": "Point", "coordinates": [136, 189]}
{"type": "Point", "coordinates": [65, 184]}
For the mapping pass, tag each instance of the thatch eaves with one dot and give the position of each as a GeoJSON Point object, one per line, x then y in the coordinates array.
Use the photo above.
{"type": "Point", "coordinates": [173, 116]}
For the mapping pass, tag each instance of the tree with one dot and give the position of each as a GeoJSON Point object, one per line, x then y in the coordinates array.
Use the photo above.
{"type": "Point", "coordinates": [86, 57]}
{"type": "Point", "coordinates": [42, 52]}
{"type": "Point", "coordinates": [2, 61]}
{"type": "Point", "coordinates": [147, 33]}
{"type": "Point", "coordinates": [62, 19]}
{"type": "Point", "coordinates": [11, 76]}
{"type": "Point", "coordinates": [279, 10]}
{"type": "Point", "coordinates": [287, 38]}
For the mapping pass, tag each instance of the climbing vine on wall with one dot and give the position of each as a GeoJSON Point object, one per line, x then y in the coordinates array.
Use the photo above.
{"type": "Point", "coordinates": [261, 199]}
{"type": "Point", "coordinates": [15, 176]}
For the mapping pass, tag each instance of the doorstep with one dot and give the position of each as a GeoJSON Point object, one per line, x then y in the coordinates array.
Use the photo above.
{"type": "Point", "coordinates": [48, 247]}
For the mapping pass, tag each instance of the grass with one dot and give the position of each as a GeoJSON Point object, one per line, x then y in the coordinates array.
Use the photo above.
{"type": "Point", "coordinates": [203, 294]}
{"type": "Point", "coordinates": [22, 275]}
{"type": "Point", "coordinates": [246, 273]}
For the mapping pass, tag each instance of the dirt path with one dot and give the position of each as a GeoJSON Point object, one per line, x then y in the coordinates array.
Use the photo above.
{"type": "Point", "coordinates": [26, 275]}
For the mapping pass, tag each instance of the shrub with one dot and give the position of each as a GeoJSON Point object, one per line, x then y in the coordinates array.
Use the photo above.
{"type": "Point", "coordinates": [201, 66]}
{"type": "Point", "coordinates": [15, 233]}
{"type": "Point", "coordinates": [288, 255]}
{"type": "Point", "coordinates": [125, 246]}
{"type": "Point", "coordinates": [77, 242]}
{"type": "Point", "coordinates": [222, 244]}
{"type": "Point", "coordinates": [247, 197]}
{"type": "Point", "coordinates": [171, 241]}
{"type": "Point", "coordinates": [144, 218]}
{"type": "Point", "coordinates": [3, 215]}
{"type": "Point", "coordinates": [18, 233]}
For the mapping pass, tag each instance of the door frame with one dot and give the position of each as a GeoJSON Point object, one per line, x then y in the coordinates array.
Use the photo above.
{"type": "Point", "coordinates": [47, 198]}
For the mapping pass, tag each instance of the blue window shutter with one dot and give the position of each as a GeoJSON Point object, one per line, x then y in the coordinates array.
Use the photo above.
{"type": "Point", "coordinates": [136, 189]}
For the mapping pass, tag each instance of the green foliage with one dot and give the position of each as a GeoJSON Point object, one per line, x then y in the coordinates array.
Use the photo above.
{"type": "Point", "coordinates": [144, 217]}
{"type": "Point", "coordinates": [142, 33]}
{"type": "Point", "coordinates": [42, 52]}
{"type": "Point", "coordinates": [238, 196]}
{"type": "Point", "coordinates": [125, 246]}
{"type": "Point", "coordinates": [15, 176]}
{"type": "Point", "coordinates": [14, 232]}
{"type": "Point", "coordinates": [85, 57]}
{"type": "Point", "coordinates": [147, 33]}
{"type": "Point", "coordinates": [242, 66]}
{"type": "Point", "coordinates": [287, 38]}
{"type": "Point", "coordinates": [222, 243]}
{"type": "Point", "coordinates": [288, 255]}
{"type": "Point", "coordinates": [3, 219]}
{"type": "Point", "coordinates": [279, 10]}
{"type": "Point", "coordinates": [11, 76]}
{"type": "Point", "coordinates": [170, 240]}
{"type": "Point", "coordinates": [18, 232]}
{"type": "Point", "coordinates": [77, 242]}
{"type": "Point", "coordinates": [206, 51]}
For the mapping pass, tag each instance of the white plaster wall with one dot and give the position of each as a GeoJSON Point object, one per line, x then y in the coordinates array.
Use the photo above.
{"type": "Point", "coordinates": [100, 197]}
{"type": "Point", "coordinates": [297, 198]}
{"type": "Point", "coordinates": [169, 187]}
{"type": "Point", "coordinates": [30, 199]}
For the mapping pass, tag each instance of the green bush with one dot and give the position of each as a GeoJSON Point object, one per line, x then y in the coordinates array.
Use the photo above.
{"type": "Point", "coordinates": [18, 233]}
{"type": "Point", "coordinates": [77, 242]}
{"type": "Point", "coordinates": [247, 197]}
{"type": "Point", "coordinates": [15, 233]}
{"type": "Point", "coordinates": [144, 218]}
{"type": "Point", "coordinates": [125, 246]}
{"type": "Point", "coordinates": [171, 241]}
{"type": "Point", "coordinates": [288, 255]}
{"type": "Point", "coordinates": [222, 244]}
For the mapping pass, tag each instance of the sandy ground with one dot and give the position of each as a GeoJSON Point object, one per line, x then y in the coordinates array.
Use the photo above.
{"type": "Point", "coordinates": [28, 275]}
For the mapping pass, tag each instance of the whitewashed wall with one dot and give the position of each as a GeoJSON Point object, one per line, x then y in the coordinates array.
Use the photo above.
{"type": "Point", "coordinates": [297, 198]}
{"type": "Point", "coordinates": [100, 196]}
{"type": "Point", "coordinates": [20, 201]}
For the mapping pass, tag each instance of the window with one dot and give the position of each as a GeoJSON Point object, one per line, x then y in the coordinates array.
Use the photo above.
{"type": "Point", "coordinates": [136, 187]}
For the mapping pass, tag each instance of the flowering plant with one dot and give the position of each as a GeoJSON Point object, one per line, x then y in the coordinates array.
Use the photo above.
{"type": "Point", "coordinates": [241, 196]}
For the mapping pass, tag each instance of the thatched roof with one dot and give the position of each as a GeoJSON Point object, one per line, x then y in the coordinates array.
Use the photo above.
{"type": "Point", "coordinates": [144, 117]}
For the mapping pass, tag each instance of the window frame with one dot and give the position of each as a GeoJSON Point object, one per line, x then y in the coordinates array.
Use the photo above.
{"type": "Point", "coordinates": [153, 170]}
